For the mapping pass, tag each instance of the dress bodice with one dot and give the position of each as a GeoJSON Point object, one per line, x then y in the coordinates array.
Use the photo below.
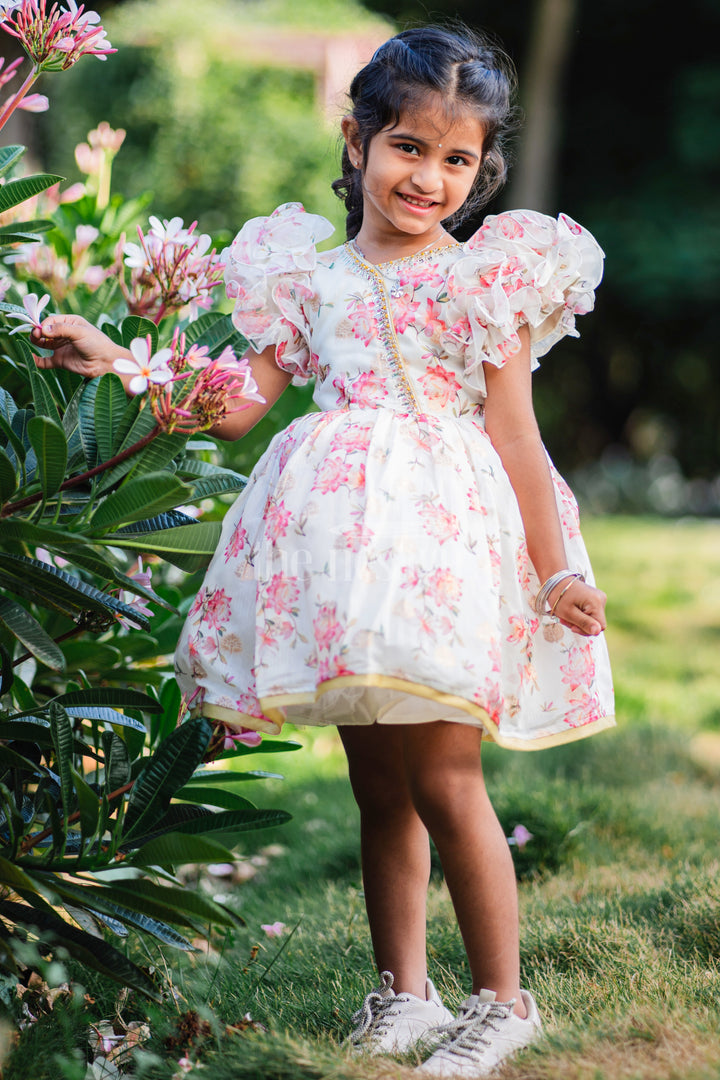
{"type": "Point", "coordinates": [412, 334]}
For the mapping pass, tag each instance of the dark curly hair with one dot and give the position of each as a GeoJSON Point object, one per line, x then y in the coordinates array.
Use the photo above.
{"type": "Point", "coordinates": [461, 66]}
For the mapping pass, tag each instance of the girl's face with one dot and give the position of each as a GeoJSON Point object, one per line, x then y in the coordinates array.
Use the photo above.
{"type": "Point", "coordinates": [415, 175]}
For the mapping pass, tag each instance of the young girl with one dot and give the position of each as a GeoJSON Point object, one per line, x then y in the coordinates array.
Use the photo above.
{"type": "Point", "coordinates": [405, 563]}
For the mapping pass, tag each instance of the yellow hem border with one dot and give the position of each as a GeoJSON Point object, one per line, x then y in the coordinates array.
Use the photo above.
{"type": "Point", "coordinates": [273, 705]}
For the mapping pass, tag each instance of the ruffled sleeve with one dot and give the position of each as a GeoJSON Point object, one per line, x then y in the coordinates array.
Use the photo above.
{"type": "Point", "coordinates": [268, 274]}
{"type": "Point", "coordinates": [520, 268]}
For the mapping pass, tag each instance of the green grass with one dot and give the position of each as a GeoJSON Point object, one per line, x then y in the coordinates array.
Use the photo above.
{"type": "Point", "coordinates": [619, 890]}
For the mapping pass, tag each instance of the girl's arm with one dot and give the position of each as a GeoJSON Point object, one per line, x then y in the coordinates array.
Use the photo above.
{"type": "Point", "coordinates": [80, 347]}
{"type": "Point", "coordinates": [511, 425]}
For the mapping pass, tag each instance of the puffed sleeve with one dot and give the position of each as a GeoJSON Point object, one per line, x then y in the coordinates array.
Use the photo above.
{"type": "Point", "coordinates": [268, 274]}
{"type": "Point", "coordinates": [520, 268]}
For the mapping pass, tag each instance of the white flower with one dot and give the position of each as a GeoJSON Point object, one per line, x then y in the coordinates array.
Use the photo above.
{"type": "Point", "coordinates": [32, 314]}
{"type": "Point", "coordinates": [169, 232]}
{"type": "Point", "coordinates": [135, 257]}
{"type": "Point", "coordinates": [144, 367]}
{"type": "Point", "coordinates": [82, 19]}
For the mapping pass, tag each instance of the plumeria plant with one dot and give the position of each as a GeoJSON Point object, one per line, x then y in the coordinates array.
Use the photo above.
{"type": "Point", "coordinates": [101, 766]}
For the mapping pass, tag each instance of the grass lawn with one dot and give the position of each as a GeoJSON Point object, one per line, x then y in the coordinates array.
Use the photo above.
{"type": "Point", "coordinates": [619, 888]}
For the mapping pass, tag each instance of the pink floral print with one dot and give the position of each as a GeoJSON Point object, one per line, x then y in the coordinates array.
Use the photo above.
{"type": "Point", "coordinates": [379, 539]}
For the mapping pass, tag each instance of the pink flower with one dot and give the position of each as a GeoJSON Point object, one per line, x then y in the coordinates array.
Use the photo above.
{"type": "Point", "coordinates": [440, 523]}
{"type": "Point", "coordinates": [56, 39]}
{"type": "Point", "coordinates": [275, 929]}
{"type": "Point", "coordinates": [440, 385]}
{"type": "Point", "coordinates": [281, 593]}
{"type": "Point", "coordinates": [367, 389]}
{"type": "Point", "coordinates": [444, 587]}
{"type": "Point", "coordinates": [246, 736]}
{"type": "Point", "coordinates": [326, 626]}
{"type": "Point", "coordinates": [332, 474]}
{"type": "Point", "coordinates": [520, 837]}
{"type": "Point", "coordinates": [403, 312]}
{"type": "Point", "coordinates": [217, 609]}
{"type": "Point", "coordinates": [363, 321]}
{"type": "Point", "coordinates": [277, 519]}
{"type": "Point", "coordinates": [357, 536]}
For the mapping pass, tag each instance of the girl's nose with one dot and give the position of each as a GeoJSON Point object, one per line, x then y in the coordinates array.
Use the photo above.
{"type": "Point", "coordinates": [426, 174]}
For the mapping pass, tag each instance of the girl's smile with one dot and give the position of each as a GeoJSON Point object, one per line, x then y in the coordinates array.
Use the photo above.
{"type": "Point", "coordinates": [416, 174]}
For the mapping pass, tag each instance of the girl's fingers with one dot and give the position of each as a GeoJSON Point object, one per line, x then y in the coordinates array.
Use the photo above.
{"type": "Point", "coordinates": [583, 611]}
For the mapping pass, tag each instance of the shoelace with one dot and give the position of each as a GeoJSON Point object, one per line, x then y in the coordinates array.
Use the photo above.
{"type": "Point", "coordinates": [372, 1017]}
{"type": "Point", "coordinates": [465, 1036]}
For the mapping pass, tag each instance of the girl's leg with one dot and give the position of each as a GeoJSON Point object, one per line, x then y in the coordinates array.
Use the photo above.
{"type": "Point", "coordinates": [445, 778]}
{"type": "Point", "coordinates": [395, 853]}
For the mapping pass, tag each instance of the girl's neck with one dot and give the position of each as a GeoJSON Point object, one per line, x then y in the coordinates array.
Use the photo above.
{"type": "Point", "coordinates": [378, 250]}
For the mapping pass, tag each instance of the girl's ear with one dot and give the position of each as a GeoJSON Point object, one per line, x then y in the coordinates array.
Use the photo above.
{"type": "Point", "coordinates": [351, 134]}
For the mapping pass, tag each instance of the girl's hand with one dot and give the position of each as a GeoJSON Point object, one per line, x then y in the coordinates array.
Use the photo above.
{"type": "Point", "coordinates": [581, 608]}
{"type": "Point", "coordinates": [77, 346]}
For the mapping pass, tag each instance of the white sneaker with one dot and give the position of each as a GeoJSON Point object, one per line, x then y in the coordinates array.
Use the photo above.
{"type": "Point", "coordinates": [484, 1034]}
{"type": "Point", "coordinates": [390, 1023]}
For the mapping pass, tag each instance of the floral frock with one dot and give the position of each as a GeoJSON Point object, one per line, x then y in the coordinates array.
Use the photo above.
{"type": "Point", "coordinates": [375, 567]}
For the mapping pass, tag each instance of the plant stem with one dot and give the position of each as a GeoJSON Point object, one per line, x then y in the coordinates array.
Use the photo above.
{"type": "Point", "coordinates": [31, 842]}
{"type": "Point", "coordinates": [63, 637]}
{"type": "Point", "coordinates": [81, 478]}
{"type": "Point", "coordinates": [15, 101]}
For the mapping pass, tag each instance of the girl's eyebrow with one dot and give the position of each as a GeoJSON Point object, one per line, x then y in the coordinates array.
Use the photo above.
{"type": "Point", "coordinates": [428, 142]}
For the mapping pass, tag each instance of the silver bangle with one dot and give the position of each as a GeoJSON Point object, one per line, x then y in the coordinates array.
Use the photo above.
{"type": "Point", "coordinates": [541, 599]}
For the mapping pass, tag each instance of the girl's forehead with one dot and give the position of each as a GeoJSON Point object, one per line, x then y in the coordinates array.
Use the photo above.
{"type": "Point", "coordinates": [437, 122]}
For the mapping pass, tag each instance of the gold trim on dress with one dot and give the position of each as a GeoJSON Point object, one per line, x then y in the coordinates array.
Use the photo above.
{"type": "Point", "coordinates": [274, 705]}
{"type": "Point", "coordinates": [388, 336]}
{"type": "Point", "coordinates": [235, 719]}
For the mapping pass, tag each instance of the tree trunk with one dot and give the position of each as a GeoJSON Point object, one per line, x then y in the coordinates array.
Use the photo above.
{"type": "Point", "coordinates": [534, 174]}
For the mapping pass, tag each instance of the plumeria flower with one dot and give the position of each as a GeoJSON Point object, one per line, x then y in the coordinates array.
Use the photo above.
{"type": "Point", "coordinates": [246, 736]}
{"type": "Point", "coordinates": [144, 367]}
{"type": "Point", "coordinates": [34, 103]}
{"type": "Point", "coordinates": [273, 929]}
{"type": "Point", "coordinates": [132, 600]}
{"type": "Point", "coordinates": [10, 71]}
{"type": "Point", "coordinates": [32, 316]}
{"type": "Point", "coordinates": [520, 837]}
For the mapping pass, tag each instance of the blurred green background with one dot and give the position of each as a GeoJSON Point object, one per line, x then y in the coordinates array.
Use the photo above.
{"type": "Point", "coordinates": [232, 107]}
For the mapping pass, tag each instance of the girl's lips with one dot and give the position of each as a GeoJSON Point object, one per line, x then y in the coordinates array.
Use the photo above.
{"type": "Point", "coordinates": [417, 204]}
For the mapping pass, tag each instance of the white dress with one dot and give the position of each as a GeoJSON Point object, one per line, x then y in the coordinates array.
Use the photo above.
{"type": "Point", "coordinates": [375, 567]}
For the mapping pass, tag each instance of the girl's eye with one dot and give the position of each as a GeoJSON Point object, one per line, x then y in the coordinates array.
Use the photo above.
{"type": "Point", "coordinates": [408, 148]}
{"type": "Point", "coordinates": [455, 159]}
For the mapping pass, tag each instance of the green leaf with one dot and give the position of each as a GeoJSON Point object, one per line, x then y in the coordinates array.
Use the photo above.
{"type": "Point", "coordinates": [86, 419]}
{"type": "Point", "coordinates": [62, 737]}
{"type": "Point", "coordinates": [15, 443]}
{"type": "Point", "coordinates": [170, 767]}
{"type": "Point", "coordinates": [17, 191]}
{"type": "Point", "coordinates": [29, 631]}
{"type": "Point", "coordinates": [90, 950]}
{"type": "Point", "coordinates": [118, 698]}
{"type": "Point", "coordinates": [206, 777]}
{"type": "Point", "coordinates": [8, 478]}
{"type": "Point", "coordinates": [16, 878]}
{"type": "Point", "coordinates": [54, 589]}
{"type": "Point", "coordinates": [88, 803]}
{"type": "Point", "coordinates": [134, 326]}
{"type": "Point", "coordinates": [7, 673]}
{"type": "Point", "coordinates": [212, 796]}
{"type": "Point", "coordinates": [9, 155]}
{"type": "Point", "coordinates": [198, 539]}
{"type": "Point", "coordinates": [170, 849]}
{"type": "Point", "coordinates": [110, 405]}
{"type": "Point", "coordinates": [139, 497]}
{"type": "Point", "coordinates": [210, 486]}
{"type": "Point", "coordinates": [43, 400]}
{"type": "Point", "coordinates": [229, 822]}
{"type": "Point", "coordinates": [158, 454]}
{"type": "Point", "coordinates": [47, 439]}
{"type": "Point", "coordinates": [220, 334]}
{"type": "Point", "coordinates": [117, 762]}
